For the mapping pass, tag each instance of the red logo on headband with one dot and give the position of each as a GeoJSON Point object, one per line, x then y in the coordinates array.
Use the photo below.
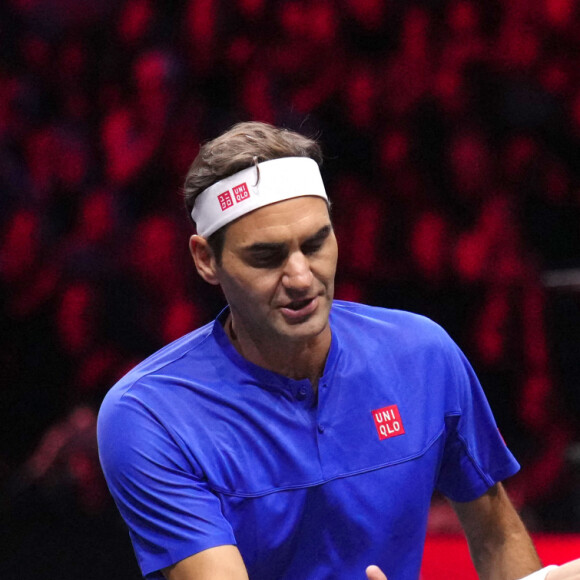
{"type": "Point", "coordinates": [241, 192]}
{"type": "Point", "coordinates": [225, 200]}
{"type": "Point", "coordinates": [388, 422]}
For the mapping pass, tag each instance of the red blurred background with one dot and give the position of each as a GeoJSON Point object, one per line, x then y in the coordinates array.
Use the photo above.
{"type": "Point", "coordinates": [452, 137]}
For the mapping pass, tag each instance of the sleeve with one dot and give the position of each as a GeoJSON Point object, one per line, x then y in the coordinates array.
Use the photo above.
{"type": "Point", "coordinates": [475, 456]}
{"type": "Point", "coordinates": [161, 493]}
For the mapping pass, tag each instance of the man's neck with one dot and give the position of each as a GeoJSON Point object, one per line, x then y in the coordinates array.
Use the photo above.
{"type": "Point", "coordinates": [294, 359]}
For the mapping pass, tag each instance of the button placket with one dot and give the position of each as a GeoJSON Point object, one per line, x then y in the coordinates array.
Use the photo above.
{"type": "Point", "coordinates": [322, 392]}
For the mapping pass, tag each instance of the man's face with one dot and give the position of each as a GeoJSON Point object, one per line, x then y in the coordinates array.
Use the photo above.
{"type": "Point", "coordinates": [277, 270]}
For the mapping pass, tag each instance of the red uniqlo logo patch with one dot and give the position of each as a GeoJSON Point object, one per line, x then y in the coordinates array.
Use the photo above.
{"type": "Point", "coordinates": [225, 200]}
{"type": "Point", "coordinates": [241, 192]}
{"type": "Point", "coordinates": [388, 422]}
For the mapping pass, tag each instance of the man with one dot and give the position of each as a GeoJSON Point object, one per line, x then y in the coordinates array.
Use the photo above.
{"type": "Point", "coordinates": [296, 436]}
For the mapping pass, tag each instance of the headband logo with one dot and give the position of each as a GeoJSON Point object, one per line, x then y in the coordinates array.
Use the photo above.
{"type": "Point", "coordinates": [225, 200]}
{"type": "Point", "coordinates": [241, 192]}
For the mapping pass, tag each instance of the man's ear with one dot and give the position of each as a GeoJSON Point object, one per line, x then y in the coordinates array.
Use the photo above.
{"type": "Point", "coordinates": [204, 259]}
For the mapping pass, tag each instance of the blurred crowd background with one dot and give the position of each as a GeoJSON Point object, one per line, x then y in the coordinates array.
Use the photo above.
{"type": "Point", "coordinates": [451, 130]}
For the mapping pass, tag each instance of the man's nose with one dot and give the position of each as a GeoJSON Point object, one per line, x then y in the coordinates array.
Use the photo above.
{"type": "Point", "coordinates": [297, 273]}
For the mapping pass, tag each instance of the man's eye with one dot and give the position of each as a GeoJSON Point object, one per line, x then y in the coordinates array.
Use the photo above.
{"type": "Point", "coordinates": [266, 260]}
{"type": "Point", "coordinates": [311, 248]}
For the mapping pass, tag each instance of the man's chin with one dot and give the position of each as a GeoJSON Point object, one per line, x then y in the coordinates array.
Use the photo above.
{"type": "Point", "coordinates": [304, 330]}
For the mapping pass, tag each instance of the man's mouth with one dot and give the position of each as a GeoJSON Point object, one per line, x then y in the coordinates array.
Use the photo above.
{"type": "Point", "coordinates": [299, 309]}
{"type": "Point", "coordinates": [299, 304]}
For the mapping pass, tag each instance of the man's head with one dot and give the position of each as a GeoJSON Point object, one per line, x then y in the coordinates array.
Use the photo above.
{"type": "Point", "coordinates": [277, 259]}
{"type": "Point", "coordinates": [244, 145]}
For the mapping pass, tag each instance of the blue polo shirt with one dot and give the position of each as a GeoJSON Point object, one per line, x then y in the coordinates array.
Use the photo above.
{"type": "Point", "coordinates": [202, 448]}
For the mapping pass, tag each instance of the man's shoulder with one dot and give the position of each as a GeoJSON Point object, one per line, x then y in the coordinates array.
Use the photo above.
{"type": "Point", "coordinates": [168, 363]}
{"type": "Point", "coordinates": [374, 329]}
{"type": "Point", "coordinates": [364, 315]}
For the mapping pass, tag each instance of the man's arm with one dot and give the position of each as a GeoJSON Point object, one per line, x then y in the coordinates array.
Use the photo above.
{"type": "Point", "coordinates": [500, 546]}
{"type": "Point", "coordinates": [220, 563]}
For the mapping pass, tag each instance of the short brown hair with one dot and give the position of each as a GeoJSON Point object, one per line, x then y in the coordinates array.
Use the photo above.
{"type": "Point", "coordinates": [242, 146]}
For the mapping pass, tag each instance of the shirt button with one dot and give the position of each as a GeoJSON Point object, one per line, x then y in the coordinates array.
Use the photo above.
{"type": "Point", "coordinates": [302, 393]}
{"type": "Point", "coordinates": [321, 428]}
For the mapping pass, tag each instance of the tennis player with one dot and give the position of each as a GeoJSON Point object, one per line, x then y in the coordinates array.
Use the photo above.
{"type": "Point", "coordinates": [298, 436]}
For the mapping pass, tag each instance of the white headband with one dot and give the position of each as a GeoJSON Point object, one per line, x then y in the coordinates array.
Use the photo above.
{"type": "Point", "coordinates": [250, 189]}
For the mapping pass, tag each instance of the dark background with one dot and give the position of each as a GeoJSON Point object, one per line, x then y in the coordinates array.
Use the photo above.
{"type": "Point", "coordinates": [452, 137]}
